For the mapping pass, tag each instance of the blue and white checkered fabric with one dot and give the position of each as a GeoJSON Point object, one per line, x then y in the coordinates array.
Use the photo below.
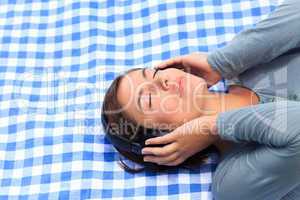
{"type": "Point", "coordinates": [57, 58]}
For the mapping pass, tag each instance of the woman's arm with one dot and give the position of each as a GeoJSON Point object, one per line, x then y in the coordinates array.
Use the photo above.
{"type": "Point", "coordinates": [270, 170]}
{"type": "Point", "coordinates": [270, 38]}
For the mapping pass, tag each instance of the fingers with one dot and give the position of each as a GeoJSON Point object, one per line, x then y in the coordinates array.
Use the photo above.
{"type": "Point", "coordinates": [161, 151]}
{"type": "Point", "coordinates": [176, 162]}
{"type": "Point", "coordinates": [162, 160]}
{"type": "Point", "coordinates": [168, 138]}
{"type": "Point", "coordinates": [167, 155]}
{"type": "Point", "coordinates": [169, 63]}
{"type": "Point", "coordinates": [172, 160]}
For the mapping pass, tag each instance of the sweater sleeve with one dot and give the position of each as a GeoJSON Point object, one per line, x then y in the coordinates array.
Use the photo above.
{"type": "Point", "coordinates": [271, 169]}
{"type": "Point", "coordinates": [270, 38]}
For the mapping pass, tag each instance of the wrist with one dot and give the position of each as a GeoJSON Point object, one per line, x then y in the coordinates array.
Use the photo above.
{"type": "Point", "coordinates": [212, 123]}
{"type": "Point", "coordinates": [214, 75]}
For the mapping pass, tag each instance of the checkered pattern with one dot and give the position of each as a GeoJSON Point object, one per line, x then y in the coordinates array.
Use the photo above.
{"type": "Point", "coordinates": [56, 60]}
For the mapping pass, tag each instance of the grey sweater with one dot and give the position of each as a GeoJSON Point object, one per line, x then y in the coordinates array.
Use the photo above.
{"type": "Point", "coordinates": [265, 161]}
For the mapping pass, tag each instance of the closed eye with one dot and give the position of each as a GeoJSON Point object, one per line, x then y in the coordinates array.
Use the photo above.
{"type": "Point", "coordinates": [150, 104]}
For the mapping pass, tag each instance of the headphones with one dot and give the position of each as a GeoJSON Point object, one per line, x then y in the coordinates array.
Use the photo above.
{"type": "Point", "coordinates": [135, 145]}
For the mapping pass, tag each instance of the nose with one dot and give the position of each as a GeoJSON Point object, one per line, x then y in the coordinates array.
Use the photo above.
{"type": "Point", "coordinates": [164, 83]}
{"type": "Point", "coordinates": [161, 80]}
{"type": "Point", "coordinates": [169, 84]}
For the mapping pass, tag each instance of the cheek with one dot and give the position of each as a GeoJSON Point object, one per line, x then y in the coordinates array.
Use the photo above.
{"type": "Point", "coordinates": [170, 105]}
{"type": "Point", "coordinates": [196, 89]}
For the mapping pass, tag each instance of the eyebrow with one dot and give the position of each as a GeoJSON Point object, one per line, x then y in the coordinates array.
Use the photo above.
{"type": "Point", "coordinates": [141, 91]}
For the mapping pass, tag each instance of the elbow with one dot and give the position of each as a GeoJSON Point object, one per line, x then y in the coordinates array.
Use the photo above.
{"type": "Point", "coordinates": [223, 193]}
{"type": "Point", "coordinates": [294, 144]}
{"type": "Point", "coordinates": [232, 185]}
{"type": "Point", "coordinates": [225, 190]}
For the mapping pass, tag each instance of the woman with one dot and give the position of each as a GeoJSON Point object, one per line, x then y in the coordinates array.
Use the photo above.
{"type": "Point", "coordinates": [256, 130]}
{"type": "Point", "coordinates": [132, 101]}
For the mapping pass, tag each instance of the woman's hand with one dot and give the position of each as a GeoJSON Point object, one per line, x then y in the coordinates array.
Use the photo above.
{"type": "Point", "coordinates": [183, 142]}
{"type": "Point", "coordinates": [194, 63]}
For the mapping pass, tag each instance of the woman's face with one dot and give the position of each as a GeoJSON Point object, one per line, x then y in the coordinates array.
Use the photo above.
{"type": "Point", "coordinates": [166, 100]}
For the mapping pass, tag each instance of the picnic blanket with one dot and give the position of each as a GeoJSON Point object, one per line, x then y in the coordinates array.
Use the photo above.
{"type": "Point", "coordinates": [57, 58]}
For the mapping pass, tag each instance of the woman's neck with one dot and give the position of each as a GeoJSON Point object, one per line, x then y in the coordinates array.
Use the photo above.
{"type": "Point", "coordinates": [237, 97]}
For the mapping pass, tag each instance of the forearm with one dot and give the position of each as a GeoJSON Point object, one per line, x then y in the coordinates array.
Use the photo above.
{"type": "Point", "coordinates": [267, 170]}
{"type": "Point", "coordinates": [270, 38]}
{"type": "Point", "coordinates": [274, 124]}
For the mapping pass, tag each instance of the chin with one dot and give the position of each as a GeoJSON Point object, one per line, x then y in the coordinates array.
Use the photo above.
{"type": "Point", "coordinates": [202, 81]}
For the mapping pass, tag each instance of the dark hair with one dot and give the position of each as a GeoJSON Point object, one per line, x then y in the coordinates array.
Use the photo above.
{"type": "Point", "coordinates": [110, 103]}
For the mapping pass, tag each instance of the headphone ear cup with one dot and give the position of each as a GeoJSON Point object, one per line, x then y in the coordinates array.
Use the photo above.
{"type": "Point", "coordinates": [166, 131]}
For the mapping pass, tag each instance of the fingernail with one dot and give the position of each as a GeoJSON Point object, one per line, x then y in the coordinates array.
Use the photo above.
{"type": "Point", "coordinates": [144, 152]}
